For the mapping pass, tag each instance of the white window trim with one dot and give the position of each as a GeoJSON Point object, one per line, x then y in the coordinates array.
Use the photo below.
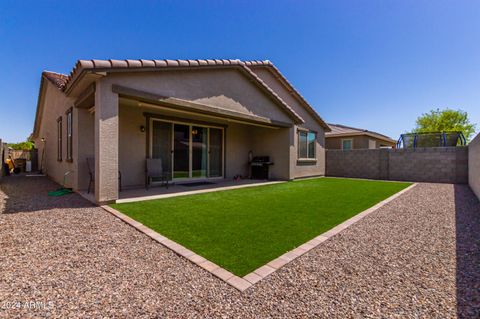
{"type": "Point", "coordinates": [347, 139]}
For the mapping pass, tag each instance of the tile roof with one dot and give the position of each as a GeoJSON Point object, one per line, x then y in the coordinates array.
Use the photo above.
{"type": "Point", "coordinates": [64, 82]}
{"type": "Point", "coordinates": [339, 129]}
{"type": "Point", "coordinates": [145, 64]}
{"type": "Point", "coordinates": [60, 80]}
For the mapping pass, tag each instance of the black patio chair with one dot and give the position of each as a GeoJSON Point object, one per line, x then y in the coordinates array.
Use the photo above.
{"type": "Point", "coordinates": [154, 170]}
{"type": "Point", "coordinates": [91, 172]}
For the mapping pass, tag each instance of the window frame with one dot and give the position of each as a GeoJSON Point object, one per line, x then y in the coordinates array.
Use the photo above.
{"type": "Point", "coordinates": [351, 143]}
{"type": "Point", "coordinates": [307, 133]}
{"type": "Point", "coordinates": [69, 130]}
{"type": "Point", "coordinates": [60, 139]}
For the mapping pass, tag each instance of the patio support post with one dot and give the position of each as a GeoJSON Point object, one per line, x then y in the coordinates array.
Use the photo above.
{"type": "Point", "coordinates": [106, 143]}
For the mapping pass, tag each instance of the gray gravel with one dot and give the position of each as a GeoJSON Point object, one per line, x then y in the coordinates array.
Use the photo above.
{"type": "Point", "coordinates": [417, 257]}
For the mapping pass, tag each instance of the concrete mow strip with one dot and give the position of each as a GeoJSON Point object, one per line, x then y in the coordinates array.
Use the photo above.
{"type": "Point", "coordinates": [200, 191]}
{"type": "Point", "coordinates": [260, 273]}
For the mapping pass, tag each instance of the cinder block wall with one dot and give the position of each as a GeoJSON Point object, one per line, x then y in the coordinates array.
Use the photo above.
{"type": "Point", "coordinates": [439, 165]}
{"type": "Point", "coordinates": [474, 165]}
{"type": "Point", "coordinates": [1, 159]}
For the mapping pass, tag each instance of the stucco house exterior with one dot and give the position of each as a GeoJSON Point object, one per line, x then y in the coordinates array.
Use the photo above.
{"type": "Point", "coordinates": [203, 118]}
{"type": "Point", "coordinates": [346, 137]}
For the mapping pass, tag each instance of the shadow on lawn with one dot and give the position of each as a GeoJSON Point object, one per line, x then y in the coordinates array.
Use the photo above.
{"type": "Point", "coordinates": [467, 218]}
{"type": "Point", "coordinates": [21, 194]}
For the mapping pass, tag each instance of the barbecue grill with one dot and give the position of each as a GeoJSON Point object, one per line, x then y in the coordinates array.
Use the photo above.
{"type": "Point", "coordinates": [259, 167]}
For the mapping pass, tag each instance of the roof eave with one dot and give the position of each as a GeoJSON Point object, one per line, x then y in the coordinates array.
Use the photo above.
{"type": "Point", "coordinates": [40, 101]}
{"type": "Point", "coordinates": [84, 67]}
{"type": "Point", "coordinates": [274, 70]}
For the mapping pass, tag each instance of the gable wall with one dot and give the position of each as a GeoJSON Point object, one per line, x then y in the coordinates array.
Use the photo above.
{"type": "Point", "coordinates": [298, 169]}
{"type": "Point", "coordinates": [225, 88]}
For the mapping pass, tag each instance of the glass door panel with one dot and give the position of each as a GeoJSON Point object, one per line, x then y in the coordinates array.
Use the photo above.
{"type": "Point", "coordinates": [162, 144]}
{"type": "Point", "coordinates": [181, 151]}
{"type": "Point", "coordinates": [216, 153]}
{"type": "Point", "coordinates": [199, 151]}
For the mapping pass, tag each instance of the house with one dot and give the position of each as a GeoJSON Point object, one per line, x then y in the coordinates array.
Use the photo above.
{"type": "Point", "coordinates": [346, 138]}
{"type": "Point", "coordinates": [203, 118]}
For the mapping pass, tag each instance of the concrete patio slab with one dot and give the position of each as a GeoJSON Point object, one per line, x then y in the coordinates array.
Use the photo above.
{"type": "Point", "coordinates": [140, 194]}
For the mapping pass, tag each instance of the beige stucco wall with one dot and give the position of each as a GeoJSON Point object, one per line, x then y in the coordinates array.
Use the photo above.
{"type": "Point", "coordinates": [474, 165]}
{"type": "Point", "coordinates": [240, 139]}
{"type": "Point", "coordinates": [112, 133]}
{"type": "Point", "coordinates": [106, 142]}
{"type": "Point", "coordinates": [274, 143]}
{"type": "Point", "coordinates": [85, 145]}
{"type": "Point", "coordinates": [238, 142]}
{"type": "Point", "coordinates": [132, 146]}
{"type": "Point", "coordinates": [298, 169]}
{"type": "Point", "coordinates": [56, 105]}
{"type": "Point", "coordinates": [226, 88]}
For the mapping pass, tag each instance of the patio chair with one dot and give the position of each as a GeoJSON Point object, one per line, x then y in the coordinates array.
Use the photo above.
{"type": "Point", "coordinates": [91, 172]}
{"type": "Point", "coordinates": [154, 170]}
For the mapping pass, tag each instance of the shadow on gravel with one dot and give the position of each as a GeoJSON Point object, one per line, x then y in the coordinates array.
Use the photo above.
{"type": "Point", "coordinates": [467, 217]}
{"type": "Point", "coordinates": [22, 194]}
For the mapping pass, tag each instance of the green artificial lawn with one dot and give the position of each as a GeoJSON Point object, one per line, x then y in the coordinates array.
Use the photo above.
{"type": "Point", "coordinates": [243, 229]}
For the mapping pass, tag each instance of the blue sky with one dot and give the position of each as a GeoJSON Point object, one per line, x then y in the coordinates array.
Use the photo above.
{"type": "Point", "coordinates": [370, 64]}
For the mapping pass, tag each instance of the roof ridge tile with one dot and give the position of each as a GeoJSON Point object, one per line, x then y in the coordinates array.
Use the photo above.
{"type": "Point", "coordinates": [141, 63]}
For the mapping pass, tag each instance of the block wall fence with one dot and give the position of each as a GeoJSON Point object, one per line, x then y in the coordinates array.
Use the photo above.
{"type": "Point", "coordinates": [438, 165]}
{"type": "Point", "coordinates": [474, 165]}
{"type": "Point", "coordinates": [1, 159]}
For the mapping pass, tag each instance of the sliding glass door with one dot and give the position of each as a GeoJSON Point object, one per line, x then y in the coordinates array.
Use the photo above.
{"type": "Point", "coordinates": [189, 151]}
{"type": "Point", "coordinates": [199, 151]}
{"type": "Point", "coordinates": [162, 143]}
{"type": "Point", "coordinates": [181, 151]}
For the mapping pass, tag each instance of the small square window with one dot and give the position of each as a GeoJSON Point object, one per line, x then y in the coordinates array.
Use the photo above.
{"type": "Point", "coordinates": [347, 144]}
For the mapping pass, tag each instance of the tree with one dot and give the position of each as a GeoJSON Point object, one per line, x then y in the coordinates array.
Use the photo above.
{"type": "Point", "coordinates": [447, 120]}
{"type": "Point", "coordinates": [23, 146]}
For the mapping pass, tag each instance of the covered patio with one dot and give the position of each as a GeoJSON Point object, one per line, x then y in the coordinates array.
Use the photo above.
{"type": "Point", "coordinates": [200, 147]}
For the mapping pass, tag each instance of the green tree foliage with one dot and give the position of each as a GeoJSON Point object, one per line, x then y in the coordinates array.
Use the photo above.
{"type": "Point", "coordinates": [447, 120]}
{"type": "Point", "coordinates": [24, 146]}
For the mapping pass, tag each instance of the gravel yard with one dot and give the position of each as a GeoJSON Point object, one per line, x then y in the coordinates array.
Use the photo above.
{"type": "Point", "coordinates": [416, 257]}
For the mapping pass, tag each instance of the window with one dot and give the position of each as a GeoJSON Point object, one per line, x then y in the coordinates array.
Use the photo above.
{"type": "Point", "coordinates": [59, 139]}
{"type": "Point", "coordinates": [347, 144]}
{"type": "Point", "coordinates": [306, 144]}
{"type": "Point", "coordinates": [69, 134]}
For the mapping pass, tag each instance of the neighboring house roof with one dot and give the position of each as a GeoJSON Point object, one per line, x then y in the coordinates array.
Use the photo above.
{"type": "Point", "coordinates": [65, 83]}
{"type": "Point", "coordinates": [339, 130]}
